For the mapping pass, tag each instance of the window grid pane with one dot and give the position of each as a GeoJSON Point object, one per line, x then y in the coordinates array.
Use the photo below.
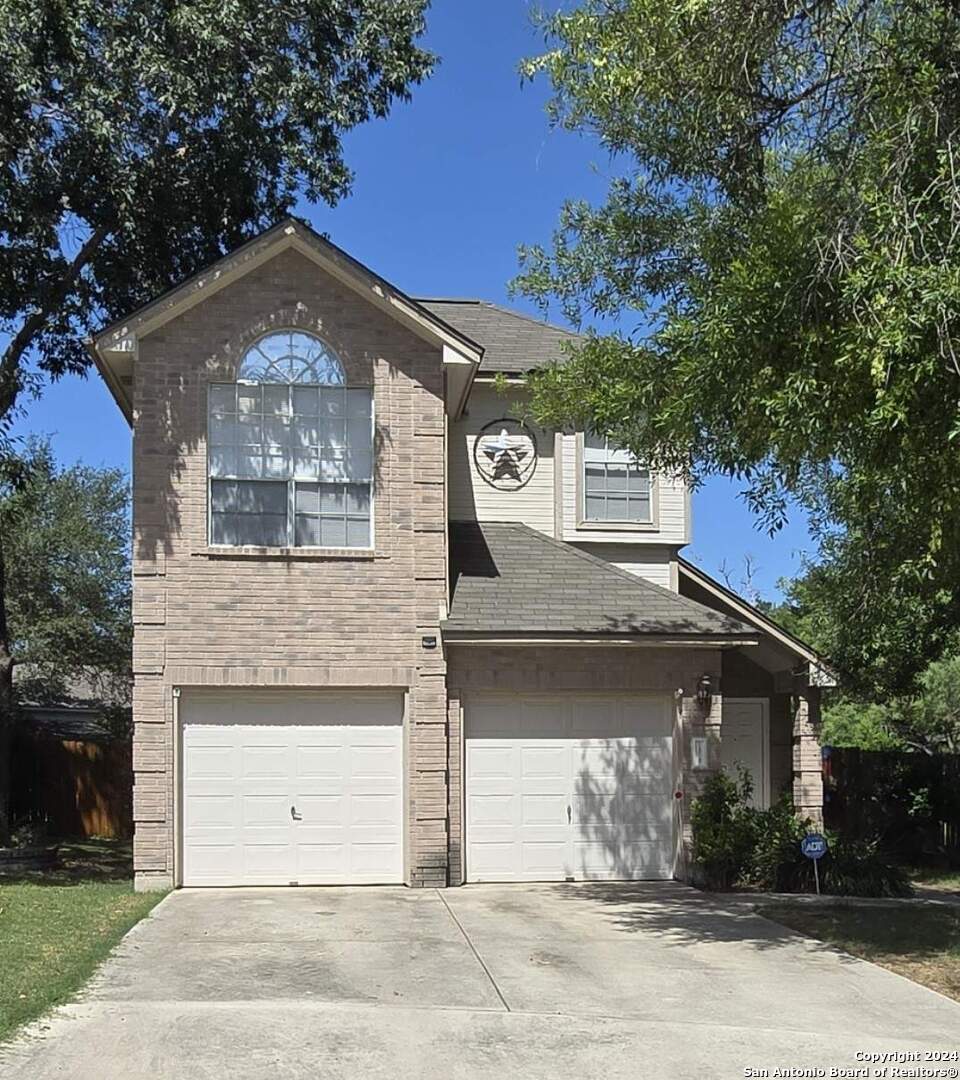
{"type": "Point", "coordinates": [316, 442]}
{"type": "Point", "coordinates": [616, 491]}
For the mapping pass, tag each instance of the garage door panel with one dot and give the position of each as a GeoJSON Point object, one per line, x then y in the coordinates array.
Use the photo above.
{"type": "Point", "coordinates": [545, 860]}
{"type": "Point", "coordinates": [267, 862]}
{"type": "Point", "coordinates": [569, 786]}
{"type": "Point", "coordinates": [599, 861]}
{"type": "Point", "coordinates": [337, 760]}
{"type": "Point", "coordinates": [323, 862]}
{"type": "Point", "coordinates": [320, 811]}
{"type": "Point", "coordinates": [620, 808]}
{"type": "Point", "coordinates": [379, 810]}
{"type": "Point", "coordinates": [373, 762]}
{"type": "Point", "coordinates": [321, 762]}
{"type": "Point", "coordinates": [212, 812]}
{"type": "Point", "coordinates": [492, 810]}
{"type": "Point", "coordinates": [547, 767]}
{"type": "Point", "coordinates": [493, 769]}
{"type": "Point", "coordinates": [257, 811]}
{"type": "Point", "coordinates": [493, 860]}
{"type": "Point", "coordinates": [212, 760]}
{"type": "Point", "coordinates": [549, 810]}
{"type": "Point", "coordinates": [367, 860]}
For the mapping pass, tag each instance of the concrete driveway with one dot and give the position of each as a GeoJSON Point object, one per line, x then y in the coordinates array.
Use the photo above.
{"type": "Point", "coordinates": [564, 981]}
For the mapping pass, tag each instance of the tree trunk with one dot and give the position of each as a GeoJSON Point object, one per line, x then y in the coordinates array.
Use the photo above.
{"type": "Point", "coordinates": [6, 706]}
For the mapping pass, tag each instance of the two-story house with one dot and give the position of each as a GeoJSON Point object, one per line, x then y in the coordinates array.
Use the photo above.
{"type": "Point", "coordinates": [388, 631]}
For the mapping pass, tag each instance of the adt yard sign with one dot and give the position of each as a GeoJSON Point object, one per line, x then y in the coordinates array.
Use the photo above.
{"type": "Point", "coordinates": [814, 846]}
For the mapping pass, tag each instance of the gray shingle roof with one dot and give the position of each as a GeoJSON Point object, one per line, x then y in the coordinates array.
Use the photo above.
{"type": "Point", "coordinates": [512, 342]}
{"type": "Point", "coordinates": [513, 581]}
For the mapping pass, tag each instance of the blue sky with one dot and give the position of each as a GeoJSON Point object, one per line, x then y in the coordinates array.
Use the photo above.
{"type": "Point", "coordinates": [446, 189]}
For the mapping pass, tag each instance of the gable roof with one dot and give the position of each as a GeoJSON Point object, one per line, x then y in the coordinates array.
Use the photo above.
{"type": "Point", "coordinates": [510, 582]}
{"type": "Point", "coordinates": [114, 347]}
{"type": "Point", "coordinates": [821, 672]}
{"type": "Point", "coordinates": [512, 342]}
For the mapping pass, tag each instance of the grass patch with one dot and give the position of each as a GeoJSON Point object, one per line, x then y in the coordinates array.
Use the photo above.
{"type": "Point", "coordinates": [941, 880]}
{"type": "Point", "coordinates": [56, 927]}
{"type": "Point", "coordinates": [922, 943]}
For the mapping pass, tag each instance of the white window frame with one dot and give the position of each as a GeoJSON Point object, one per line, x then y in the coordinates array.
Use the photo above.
{"type": "Point", "coordinates": [291, 482]}
{"type": "Point", "coordinates": [614, 456]}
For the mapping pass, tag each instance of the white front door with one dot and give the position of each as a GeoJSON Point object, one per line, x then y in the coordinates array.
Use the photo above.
{"type": "Point", "coordinates": [289, 788]}
{"type": "Point", "coordinates": [569, 787]}
{"type": "Point", "coordinates": [745, 740]}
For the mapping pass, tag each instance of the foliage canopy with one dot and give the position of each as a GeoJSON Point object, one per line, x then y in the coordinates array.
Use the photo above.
{"type": "Point", "coordinates": [780, 250]}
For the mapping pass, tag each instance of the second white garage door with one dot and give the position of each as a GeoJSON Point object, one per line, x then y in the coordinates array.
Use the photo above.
{"type": "Point", "coordinates": [571, 787]}
{"type": "Point", "coordinates": [282, 788]}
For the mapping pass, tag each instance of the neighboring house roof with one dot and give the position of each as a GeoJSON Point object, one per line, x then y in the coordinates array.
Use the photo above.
{"type": "Point", "coordinates": [78, 723]}
{"type": "Point", "coordinates": [512, 342]}
{"type": "Point", "coordinates": [511, 582]}
{"type": "Point", "coordinates": [113, 347]}
{"type": "Point", "coordinates": [821, 672]}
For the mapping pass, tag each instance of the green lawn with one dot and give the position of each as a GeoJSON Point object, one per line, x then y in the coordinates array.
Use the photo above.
{"type": "Point", "coordinates": [922, 943]}
{"type": "Point", "coordinates": [56, 927]}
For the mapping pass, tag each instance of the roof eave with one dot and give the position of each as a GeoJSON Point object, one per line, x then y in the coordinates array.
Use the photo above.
{"type": "Point", "coordinates": [821, 672]}
{"type": "Point", "coordinates": [120, 338]}
{"type": "Point", "coordinates": [112, 378]}
{"type": "Point", "coordinates": [564, 638]}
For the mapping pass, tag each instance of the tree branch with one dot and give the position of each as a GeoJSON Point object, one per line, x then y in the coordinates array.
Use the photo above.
{"type": "Point", "coordinates": [33, 324]}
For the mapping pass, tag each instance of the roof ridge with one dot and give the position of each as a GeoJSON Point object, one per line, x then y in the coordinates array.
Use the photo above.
{"type": "Point", "coordinates": [633, 579]}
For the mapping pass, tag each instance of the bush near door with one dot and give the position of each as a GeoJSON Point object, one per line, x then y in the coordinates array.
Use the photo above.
{"type": "Point", "coordinates": [735, 844]}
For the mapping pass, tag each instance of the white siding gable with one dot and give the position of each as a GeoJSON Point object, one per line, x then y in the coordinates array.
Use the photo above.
{"type": "Point", "coordinates": [470, 497]}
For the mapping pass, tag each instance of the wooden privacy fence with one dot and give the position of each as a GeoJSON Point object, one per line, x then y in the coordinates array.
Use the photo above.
{"type": "Point", "coordinates": [910, 802]}
{"type": "Point", "coordinates": [78, 788]}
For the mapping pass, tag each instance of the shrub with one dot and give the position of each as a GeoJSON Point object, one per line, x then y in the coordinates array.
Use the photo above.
{"type": "Point", "coordinates": [777, 863]}
{"type": "Point", "coordinates": [736, 844]}
{"type": "Point", "coordinates": [857, 868]}
{"type": "Point", "coordinates": [724, 829]}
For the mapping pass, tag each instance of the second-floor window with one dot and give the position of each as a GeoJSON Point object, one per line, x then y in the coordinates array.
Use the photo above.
{"type": "Point", "coordinates": [290, 450]}
{"type": "Point", "coordinates": [615, 487]}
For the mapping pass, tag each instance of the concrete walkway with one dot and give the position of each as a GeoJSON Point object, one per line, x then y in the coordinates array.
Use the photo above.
{"type": "Point", "coordinates": [612, 981]}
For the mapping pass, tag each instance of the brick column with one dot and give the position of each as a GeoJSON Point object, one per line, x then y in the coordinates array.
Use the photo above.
{"type": "Point", "coordinates": [807, 768]}
{"type": "Point", "coordinates": [454, 787]}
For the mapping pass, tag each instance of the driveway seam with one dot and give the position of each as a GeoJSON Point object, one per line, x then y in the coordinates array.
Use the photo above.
{"type": "Point", "coordinates": [473, 949]}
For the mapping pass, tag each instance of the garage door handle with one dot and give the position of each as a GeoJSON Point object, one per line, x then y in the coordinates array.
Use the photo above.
{"type": "Point", "coordinates": [294, 814]}
{"type": "Point", "coordinates": [569, 816]}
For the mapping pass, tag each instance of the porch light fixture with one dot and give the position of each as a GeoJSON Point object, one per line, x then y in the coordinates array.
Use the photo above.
{"type": "Point", "coordinates": [704, 692]}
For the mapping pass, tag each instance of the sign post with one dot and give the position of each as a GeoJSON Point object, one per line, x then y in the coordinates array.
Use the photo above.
{"type": "Point", "coordinates": [814, 846]}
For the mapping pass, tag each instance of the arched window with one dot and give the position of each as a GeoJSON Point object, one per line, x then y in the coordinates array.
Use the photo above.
{"type": "Point", "coordinates": [291, 356]}
{"type": "Point", "coordinates": [290, 450]}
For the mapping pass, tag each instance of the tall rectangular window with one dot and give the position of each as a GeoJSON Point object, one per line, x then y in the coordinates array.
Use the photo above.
{"type": "Point", "coordinates": [290, 465]}
{"type": "Point", "coordinates": [615, 487]}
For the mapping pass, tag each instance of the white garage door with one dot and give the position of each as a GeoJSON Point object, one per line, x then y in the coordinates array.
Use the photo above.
{"type": "Point", "coordinates": [572, 787]}
{"type": "Point", "coordinates": [282, 789]}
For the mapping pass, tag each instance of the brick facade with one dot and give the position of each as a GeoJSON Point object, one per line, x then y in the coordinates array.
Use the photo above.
{"type": "Point", "coordinates": [204, 619]}
{"type": "Point", "coordinates": [302, 619]}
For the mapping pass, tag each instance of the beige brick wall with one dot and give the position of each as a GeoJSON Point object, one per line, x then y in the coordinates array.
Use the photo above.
{"type": "Point", "coordinates": [554, 670]}
{"type": "Point", "coordinates": [306, 620]}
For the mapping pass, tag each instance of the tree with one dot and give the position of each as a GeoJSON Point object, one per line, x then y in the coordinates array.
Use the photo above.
{"type": "Point", "coordinates": [65, 539]}
{"type": "Point", "coordinates": [141, 140]}
{"type": "Point", "coordinates": [780, 249]}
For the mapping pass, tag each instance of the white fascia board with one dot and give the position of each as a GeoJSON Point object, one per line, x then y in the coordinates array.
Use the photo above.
{"type": "Point", "coordinates": [579, 642]}
{"type": "Point", "coordinates": [460, 371]}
